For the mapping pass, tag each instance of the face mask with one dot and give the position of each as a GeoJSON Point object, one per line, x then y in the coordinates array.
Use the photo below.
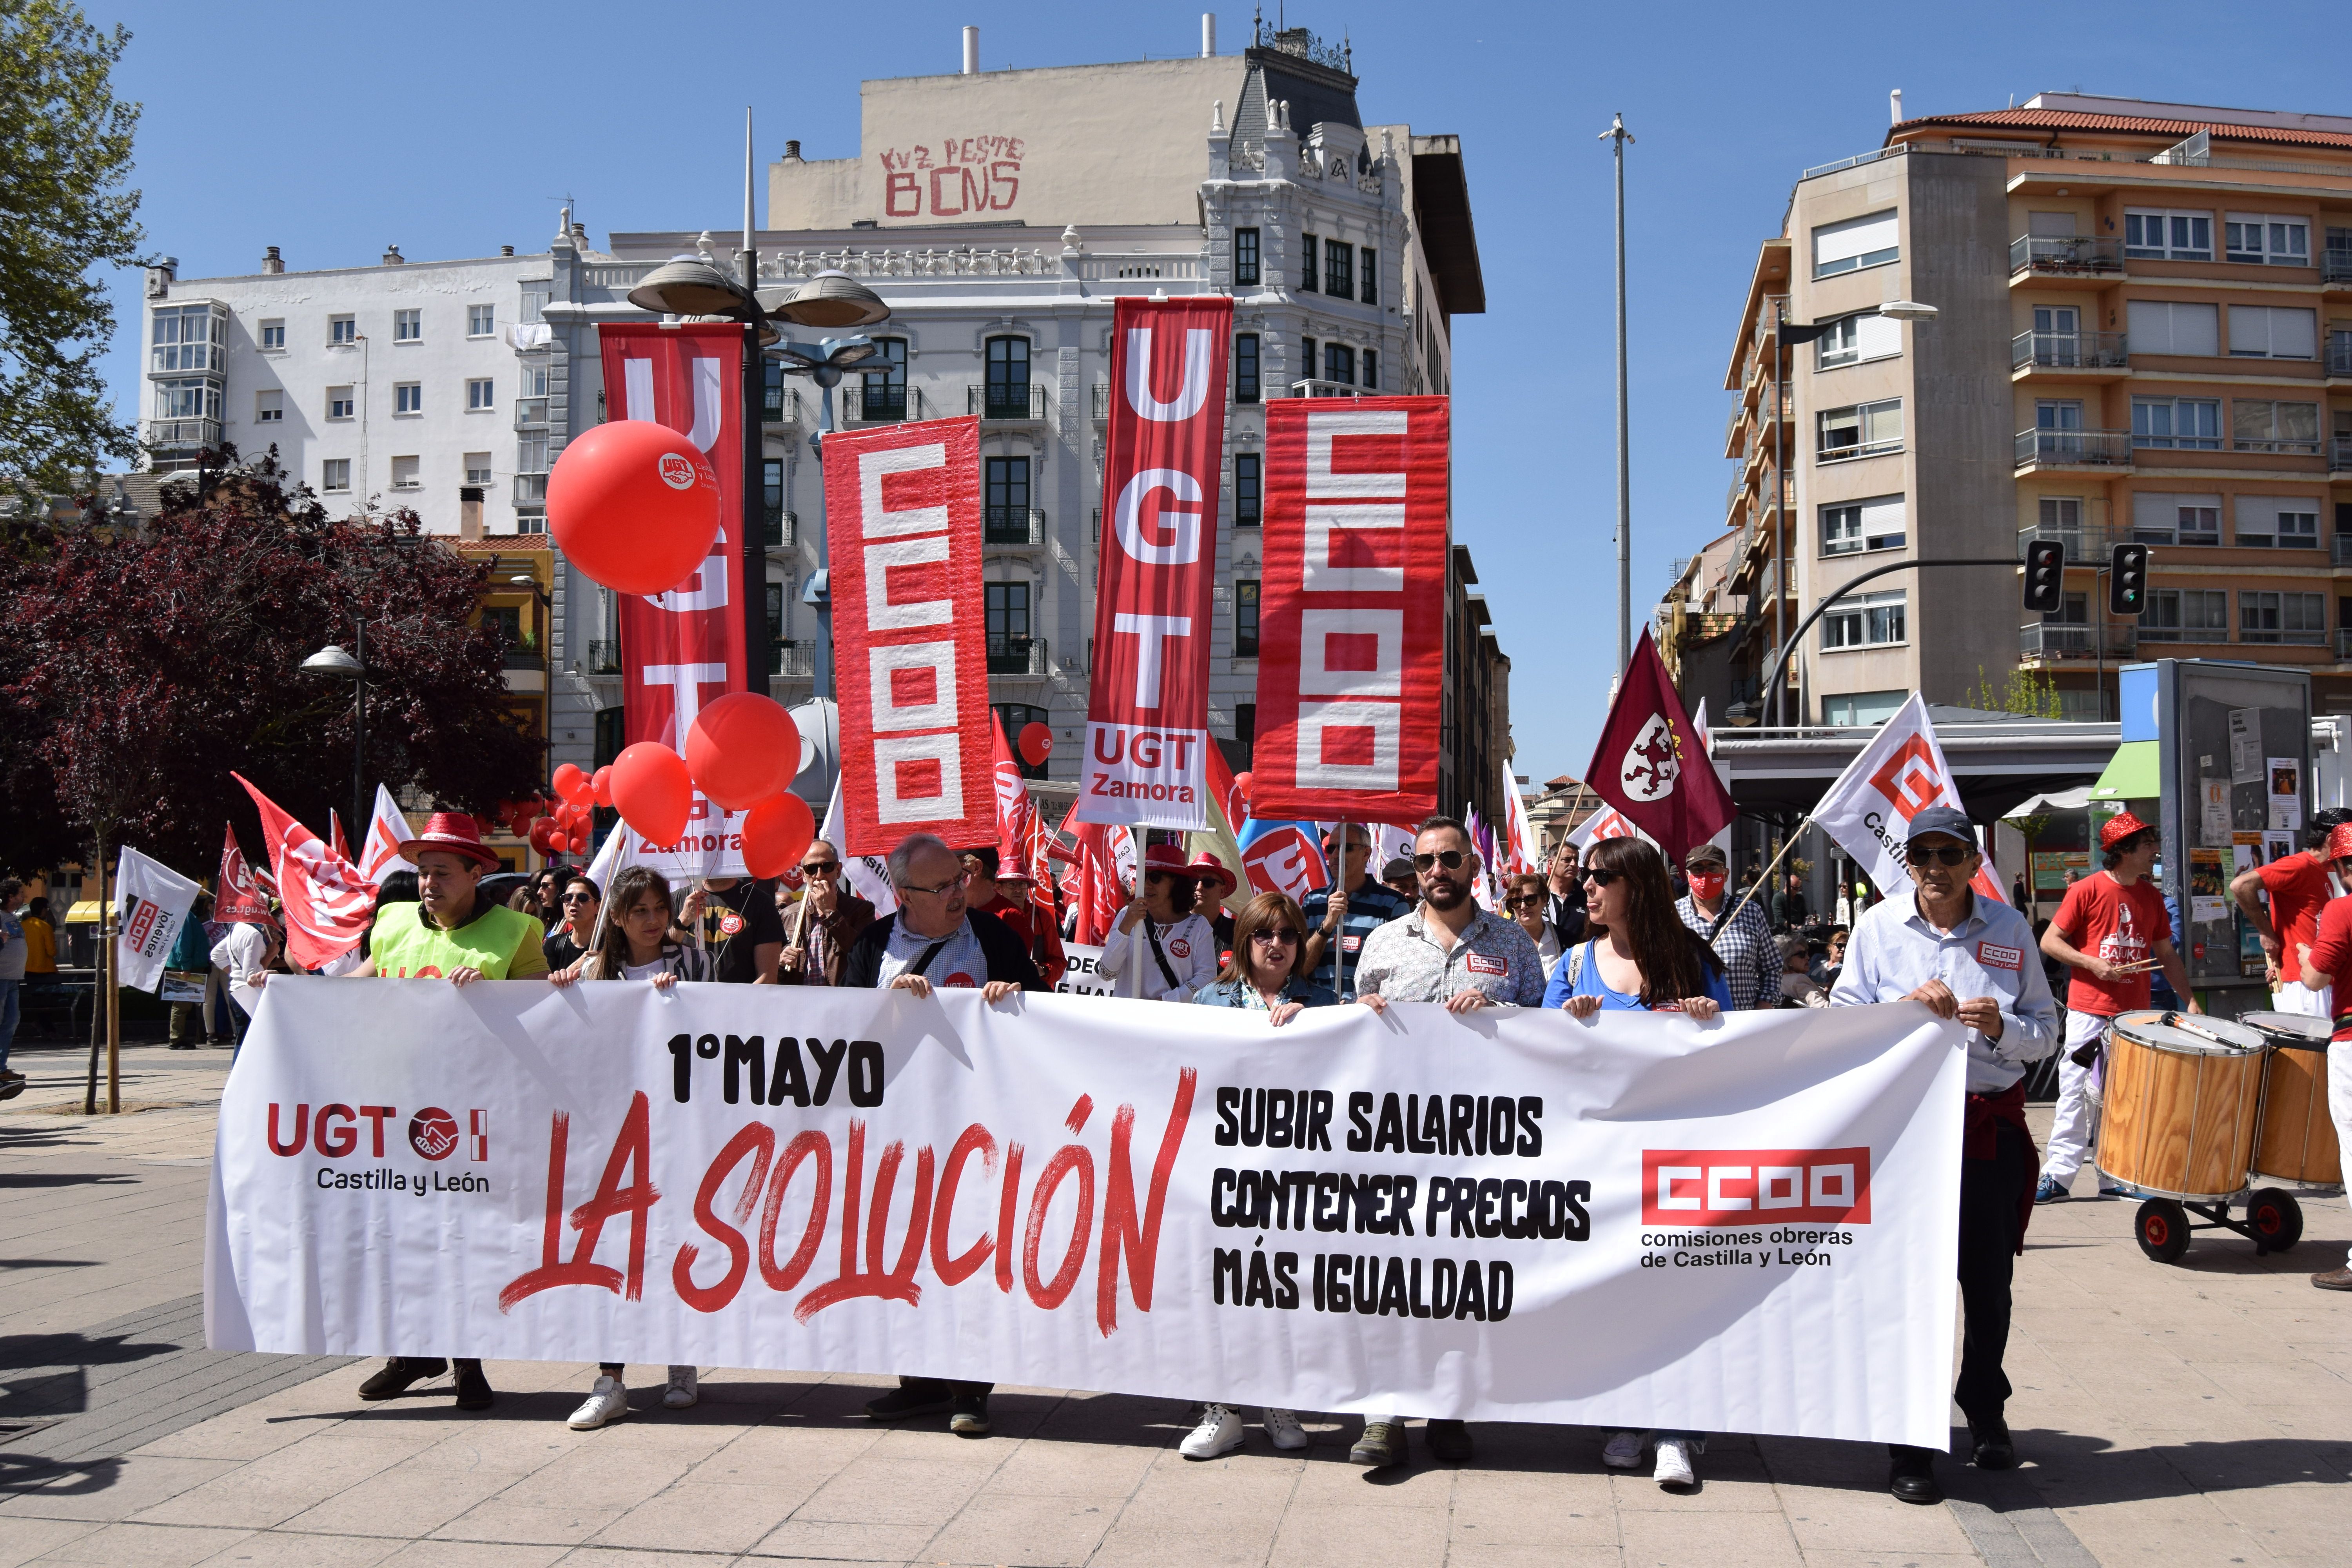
{"type": "Point", "coordinates": [1708, 885]}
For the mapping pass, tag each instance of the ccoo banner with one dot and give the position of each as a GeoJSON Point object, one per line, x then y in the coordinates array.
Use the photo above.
{"type": "Point", "coordinates": [1420, 1211]}
{"type": "Point", "coordinates": [902, 509]}
{"type": "Point", "coordinates": [1164, 465]}
{"type": "Point", "coordinates": [1351, 632]}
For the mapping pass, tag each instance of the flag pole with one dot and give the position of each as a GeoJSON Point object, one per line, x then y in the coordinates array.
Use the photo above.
{"type": "Point", "coordinates": [1765, 876]}
{"type": "Point", "coordinates": [1338, 890]}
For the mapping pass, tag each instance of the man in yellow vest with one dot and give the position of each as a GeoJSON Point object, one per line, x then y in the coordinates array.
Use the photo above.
{"type": "Point", "coordinates": [452, 932]}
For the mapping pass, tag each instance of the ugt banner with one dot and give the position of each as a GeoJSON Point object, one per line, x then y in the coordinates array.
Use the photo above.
{"type": "Point", "coordinates": [684, 648]}
{"type": "Point", "coordinates": [1164, 465]}
{"type": "Point", "coordinates": [910, 632]}
{"type": "Point", "coordinates": [1634, 1221]}
{"type": "Point", "coordinates": [1351, 660]}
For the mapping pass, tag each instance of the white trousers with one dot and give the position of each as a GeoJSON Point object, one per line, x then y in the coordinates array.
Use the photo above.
{"type": "Point", "coordinates": [2076, 1127]}
{"type": "Point", "coordinates": [2292, 997]}
{"type": "Point", "coordinates": [2339, 1098]}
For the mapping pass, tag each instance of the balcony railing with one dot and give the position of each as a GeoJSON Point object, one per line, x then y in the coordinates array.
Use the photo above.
{"type": "Point", "coordinates": [1098, 402]}
{"type": "Point", "coordinates": [2310, 448]}
{"type": "Point", "coordinates": [781, 405]}
{"type": "Point", "coordinates": [880, 405]}
{"type": "Point", "coordinates": [2340, 455]}
{"type": "Point", "coordinates": [1017, 655]}
{"type": "Point", "coordinates": [2315, 636]}
{"type": "Point", "coordinates": [792, 657]}
{"type": "Point", "coordinates": [2069, 350]}
{"type": "Point", "coordinates": [2075, 448]}
{"type": "Point", "coordinates": [1328, 389]}
{"type": "Point", "coordinates": [2055, 640]}
{"type": "Point", "coordinates": [2335, 265]}
{"type": "Point", "coordinates": [780, 529]}
{"type": "Point", "coordinates": [2061, 255]}
{"type": "Point", "coordinates": [183, 432]}
{"type": "Point", "coordinates": [523, 656]}
{"type": "Point", "coordinates": [1013, 525]}
{"type": "Point", "coordinates": [1021, 401]}
{"type": "Point", "coordinates": [2339, 354]}
{"type": "Point", "coordinates": [2086, 543]}
{"type": "Point", "coordinates": [531, 413]}
{"type": "Point", "coordinates": [2344, 549]}
{"type": "Point", "coordinates": [604, 657]}
{"type": "Point", "coordinates": [530, 489]}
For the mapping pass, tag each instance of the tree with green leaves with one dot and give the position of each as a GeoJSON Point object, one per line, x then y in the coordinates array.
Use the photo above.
{"type": "Point", "coordinates": [65, 211]}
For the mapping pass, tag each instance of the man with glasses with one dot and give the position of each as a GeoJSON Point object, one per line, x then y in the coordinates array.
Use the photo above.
{"type": "Point", "coordinates": [825, 925]}
{"type": "Point", "coordinates": [1744, 941]}
{"type": "Point", "coordinates": [1339, 920]}
{"type": "Point", "coordinates": [1974, 960]}
{"type": "Point", "coordinates": [1453, 952]}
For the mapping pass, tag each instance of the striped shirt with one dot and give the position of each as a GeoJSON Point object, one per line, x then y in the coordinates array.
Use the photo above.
{"type": "Point", "coordinates": [1751, 959]}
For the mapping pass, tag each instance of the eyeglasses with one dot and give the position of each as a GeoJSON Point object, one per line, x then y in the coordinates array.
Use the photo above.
{"type": "Point", "coordinates": [950, 886]}
{"type": "Point", "coordinates": [1450, 859]}
{"type": "Point", "coordinates": [820, 868]}
{"type": "Point", "coordinates": [1274, 938]}
{"type": "Point", "coordinates": [1599, 878]}
{"type": "Point", "coordinates": [1920, 854]}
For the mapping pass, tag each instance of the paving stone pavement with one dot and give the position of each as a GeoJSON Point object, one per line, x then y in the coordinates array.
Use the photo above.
{"type": "Point", "coordinates": [2199, 1413]}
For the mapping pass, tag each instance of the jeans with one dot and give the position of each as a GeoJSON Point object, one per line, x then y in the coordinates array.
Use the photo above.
{"type": "Point", "coordinates": [8, 989]}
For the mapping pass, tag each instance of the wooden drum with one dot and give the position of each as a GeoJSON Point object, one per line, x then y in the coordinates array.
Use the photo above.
{"type": "Point", "coordinates": [2294, 1140]}
{"type": "Point", "coordinates": [2181, 1102]}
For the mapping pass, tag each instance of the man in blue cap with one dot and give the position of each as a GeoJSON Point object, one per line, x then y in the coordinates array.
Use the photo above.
{"type": "Point", "coordinates": [1974, 960]}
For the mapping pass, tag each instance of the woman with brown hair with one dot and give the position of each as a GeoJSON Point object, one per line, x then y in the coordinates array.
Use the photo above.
{"type": "Point", "coordinates": [1527, 899]}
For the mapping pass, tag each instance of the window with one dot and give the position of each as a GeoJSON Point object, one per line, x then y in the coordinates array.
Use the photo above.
{"type": "Point", "coordinates": [273, 334]}
{"type": "Point", "coordinates": [270, 407]}
{"type": "Point", "coordinates": [481, 320]}
{"type": "Point", "coordinates": [1863, 707]}
{"type": "Point", "coordinates": [1307, 268]}
{"type": "Point", "coordinates": [189, 337]}
{"type": "Point", "coordinates": [190, 399]}
{"type": "Point", "coordinates": [1249, 490]}
{"type": "Point", "coordinates": [530, 454]}
{"type": "Point", "coordinates": [2282, 523]}
{"type": "Point", "coordinates": [884, 395]}
{"type": "Point", "coordinates": [2273, 331]}
{"type": "Point", "coordinates": [2074, 610]}
{"type": "Point", "coordinates": [2282, 617]}
{"type": "Point", "coordinates": [478, 469]}
{"type": "Point", "coordinates": [535, 296]}
{"type": "Point", "coordinates": [338, 402]}
{"type": "Point", "coordinates": [1245, 253]}
{"type": "Point", "coordinates": [1246, 722]}
{"type": "Point", "coordinates": [2154, 233]}
{"type": "Point", "coordinates": [2185, 614]}
{"type": "Point", "coordinates": [534, 379]}
{"type": "Point", "coordinates": [1008, 378]}
{"type": "Point", "coordinates": [2163, 327]}
{"type": "Point", "coordinates": [2265, 238]}
{"type": "Point", "coordinates": [1868, 620]}
{"type": "Point", "coordinates": [1008, 627]}
{"type": "Point", "coordinates": [1247, 385]}
{"type": "Point", "coordinates": [407, 326]}
{"type": "Point", "coordinates": [1307, 360]}
{"type": "Point", "coordinates": [1850, 527]}
{"type": "Point", "coordinates": [2182, 423]}
{"type": "Point", "coordinates": [2162, 519]}
{"type": "Point", "coordinates": [1339, 270]}
{"type": "Point", "coordinates": [1371, 368]}
{"type": "Point", "coordinates": [1853, 339]}
{"type": "Point", "coordinates": [335, 474]}
{"type": "Point", "coordinates": [403, 473]}
{"type": "Point", "coordinates": [1855, 244]}
{"type": "Point", "coordinates": [343, 329]}
{"type": "Point", "coordinates": [408, 397]}
{"type": "Point", "coordinates": [2060, 518]}
{"type": "Point", "coordinates": [2261, 425]}
{"type": "Point", "coordinates": [1368, 266]}
{"type": "Point", "coordinates": [1006, 494]}
{"type": "Point", "coordinates": [1340, 363]}
{"type": "Point", "coordinates": [1246, 618]}
{"type": "Point", "coordinates": [1861, 429]}
{"type": "Point", "coordinates": [477, 394]}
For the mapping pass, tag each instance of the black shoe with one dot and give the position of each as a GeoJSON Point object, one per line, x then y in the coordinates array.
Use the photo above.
{"type": "Point", "coordinates": [183, 1046]}
{"type": "Point", "coordinates": [1992, 1451]}
{"type": "Point", "coordinates": [1912, 1476]}
{"type": "Point", "coordinates": [1449, 1441]}
{"type": "Point", "coordinates": [392, 1379]}
{"type": "Point", "coordinates": [919, 1399]}
{"type": "Point", "coordinates": [473, 1388]}
{"type": "Point", "coordinates": [970, 1418]}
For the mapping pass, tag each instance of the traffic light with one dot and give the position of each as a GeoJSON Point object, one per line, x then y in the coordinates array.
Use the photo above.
{"type": "Point", "coordinates": [2046, 576]}
{"type": "Point", "coordinates": [2128, 580]}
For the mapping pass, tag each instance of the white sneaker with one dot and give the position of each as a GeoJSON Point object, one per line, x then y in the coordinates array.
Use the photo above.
{"type": "Point", "coordinates": [606, 1404]}
{"type": "Point", "coordinates": [1625, 1451]}
{"type": "Point", "coordinates": [685, 1389]}
{"type": "Point", "coordinates": [1283, 1430]}
{"type": "Point", "coordinates": [1219, 1432]}
{"type": "Point", "coordinates": [1673, 1463]}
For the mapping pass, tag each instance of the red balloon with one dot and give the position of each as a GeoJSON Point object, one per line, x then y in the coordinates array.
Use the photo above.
{"type": "Point", "coordinates": [569, 781]}
{"type": "Point", "coordinates": [542, 836]}
{"type": "Point", "coordinates": [599, 786]}
{"type": "Point", "coordinates": [634, 505]}
{"type": "Point", "coordinates": [653, 792]}
{"type": "Point", "coordinates": [1241, 782]}
{"type": "Point", "coordinates": [1036, 743]}
{"type": "Point", "coordinates": [743, 749]}
{"type": "Point", "coordinates": [775, 831]}
{"type": "Point", "coordinates": [576, 844]}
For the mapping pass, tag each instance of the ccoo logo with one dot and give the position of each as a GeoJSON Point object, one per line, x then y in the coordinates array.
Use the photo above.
{"type": "Point", "coordinates": [678, 470]}
{"type": "Point", "coordinates": [1908, 778]}
{"type": "Point", "coordinates": [433, 1132]}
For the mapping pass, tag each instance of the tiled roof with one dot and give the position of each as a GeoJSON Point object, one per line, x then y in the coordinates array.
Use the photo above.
{"type": "Point", "coordinates": [2075, 120]}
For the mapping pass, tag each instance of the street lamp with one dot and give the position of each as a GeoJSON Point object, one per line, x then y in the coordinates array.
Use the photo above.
{"type": "Point", "coordinates": [827, 300]}
{"type": "Point", "coordinates": [332, 660]}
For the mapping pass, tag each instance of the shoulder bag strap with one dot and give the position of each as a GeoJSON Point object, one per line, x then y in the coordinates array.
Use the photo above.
{"type": "Point", "coordinates": [930, 952]}
{"type": "Point", "coordinates": [1153, 937]}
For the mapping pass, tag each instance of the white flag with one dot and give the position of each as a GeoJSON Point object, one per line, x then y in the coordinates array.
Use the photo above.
{"type": "Point", "coordinates": [151, 904]}
{"type": "Point", "coordinates": [1606, 822]}
{"type": "Point", "coordinates": [1899, 774]}
{"type": "Point", "coordinates": [387, 831]}
{"type": "Point", "coordinates": [864, 875]}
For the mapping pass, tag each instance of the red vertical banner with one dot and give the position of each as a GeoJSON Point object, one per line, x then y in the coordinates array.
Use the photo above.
{"type": "Point", "coordinates": [909, 635]}
{"type": "Point", "coordinates": [1146, 758]}
{"type": "Point", "coordinates": [1351, 610]}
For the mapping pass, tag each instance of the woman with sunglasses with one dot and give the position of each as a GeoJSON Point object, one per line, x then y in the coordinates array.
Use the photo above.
{"type": "Point", "coordinates": [1527, 899]}
{"type": "Point", "coordinates": [568, 942]}
{"type": "Point", "coordinates": [821, 929]}
{"type": "Point", "coordinates": [1162, 948]}
{"type": "Point", "coordinates": [1267, 973]}
{"type": "Point", "coordinates": [1639, 958]}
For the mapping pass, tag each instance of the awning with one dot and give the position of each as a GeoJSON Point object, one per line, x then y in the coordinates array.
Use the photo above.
{"type": "Point", "coordinates": [83, 913]}
{"type": "Point", "coordinates": [2059, 800]}
{"type": "Point", "coordinates": [2133, 774]}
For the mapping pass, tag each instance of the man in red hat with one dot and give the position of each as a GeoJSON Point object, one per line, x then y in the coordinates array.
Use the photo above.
{"type": "Point", "coordinates": [995, 889]}
{"type": "Point", "coordinates": [2111, 930]}
{"type": "Point", "coordinates": [452, 932]}
{"type": "Point", "coordinates": [2324, 962]}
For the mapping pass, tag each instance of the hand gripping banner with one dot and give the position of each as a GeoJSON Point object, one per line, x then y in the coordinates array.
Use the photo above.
{"type": "Point", "coordinates": [1634, 1221]}
{"type": "Point", "coordinates": [1351, 628]}
{"type": "Point", "coordinates": [1164, 465]}
{"type": "Point", "coordinates": [910, 631]}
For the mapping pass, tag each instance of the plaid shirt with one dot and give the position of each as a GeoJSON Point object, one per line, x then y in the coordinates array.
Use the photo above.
{"type": "Point", "coordinates": [1745, 945]}
{"type": "Point", "coordinates": [1492, 955]}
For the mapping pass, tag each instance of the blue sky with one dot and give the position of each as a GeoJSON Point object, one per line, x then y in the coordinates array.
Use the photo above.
{"type": "Point", "coordinates": [331, 131]}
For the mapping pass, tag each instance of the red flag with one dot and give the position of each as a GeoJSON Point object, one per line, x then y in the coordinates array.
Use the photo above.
{"type": "Point", "coordinates": [327, 903]}
{"type": "Point", "coordinates": [1649, 766]}
{"type": "Point", "coordinates": [335, 834]}
{"type": "Point", "coordinates": [240, 898]}
{"type": "Point", "coordinates": [1098, 888]}
{"type": "Point", "coordinates": [1013, 808]}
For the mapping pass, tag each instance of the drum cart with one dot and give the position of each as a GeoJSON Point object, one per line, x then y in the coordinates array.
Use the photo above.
{"type": "Point", "coordinates": [2273, 1221]}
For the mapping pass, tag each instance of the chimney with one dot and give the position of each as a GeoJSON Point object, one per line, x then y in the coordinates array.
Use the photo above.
{"type": "Point", "coordinates": [792, 151]}
{"type": "Point", "coordinates": [162, 276]}
{"type": "Point", "coordinates": [1208, 34]}
{"type": "Point", "coordinates": [392, 257]}
{"type": "Point", "coordinates": [270, 261]}
{"type": "Point", "coordinates": [469, 512]}
{"type": "Point", "coordinates": [971, 51]}
{"type": "Point", "coordinates": [505, 250]}
{"type": "Point", "coordinates": [1894, 107]}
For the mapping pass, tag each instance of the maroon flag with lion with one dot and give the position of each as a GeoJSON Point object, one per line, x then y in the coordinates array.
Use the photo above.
{"type": "Point", "coordinates": [1651, 764]}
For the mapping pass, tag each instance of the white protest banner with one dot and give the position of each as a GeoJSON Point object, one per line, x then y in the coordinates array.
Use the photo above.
{"type": "Point", "coordinates": [1086, 975]}
{"type": "Point", "coordinates": [1634, 1221]}
{"type": "Point", "coordinates": [150, 901]}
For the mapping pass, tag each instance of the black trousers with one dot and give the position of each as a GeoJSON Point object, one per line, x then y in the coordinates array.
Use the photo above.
{"type": "Point", "coordinates": [1991, 1191]}
{"type": "Point", "coordinates": [944, 1387]}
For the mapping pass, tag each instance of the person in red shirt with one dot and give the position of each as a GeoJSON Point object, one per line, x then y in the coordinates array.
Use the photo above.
{"type": "Point", "coordinates": [2110, 930]}
{"type": "Point", "coordinates": [2297, 885]}
{"type": "Point", "coordinates": [1005, 895]}
{"type": "Point", "coordinates": [2321, 962]}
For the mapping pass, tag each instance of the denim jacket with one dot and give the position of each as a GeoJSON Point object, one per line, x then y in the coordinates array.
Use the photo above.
{"type": "Point", "coordinates": [1242, 993]}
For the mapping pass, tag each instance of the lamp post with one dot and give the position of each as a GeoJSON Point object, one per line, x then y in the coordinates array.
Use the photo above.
{"type": "Point", "coordinates": [825, 363]}
{"type": "Point", "coordinates": [332, 660]}
{"type": "Point", "coordinates": [1620, 135]}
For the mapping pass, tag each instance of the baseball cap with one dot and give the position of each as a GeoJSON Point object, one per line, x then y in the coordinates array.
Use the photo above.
{"type": "Point", "coordinates": [1945, 819]}
{"type": "Point", "coordinates": [1396, 869]}
{"type": "Point", "coordinates": [1700, 854]}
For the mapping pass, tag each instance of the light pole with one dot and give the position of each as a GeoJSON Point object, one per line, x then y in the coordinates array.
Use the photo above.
{"type": "Point", "coordinates": [825, 362]}
{"type": "Point", "coordinates": [332, 660]}
{"type": "Point", "coordinates": [1620, 135]}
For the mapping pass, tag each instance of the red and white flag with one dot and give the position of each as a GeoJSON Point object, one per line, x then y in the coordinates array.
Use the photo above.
{"type": "Point", "coordinates": [1102, 872]}
{"type": "Point", "coordinates": [1899, 774]}
{"type": "Point", "coordinates": [387, 831]}
{"type": "Point", "coordinates": [328, 905]}
{"type": "Point", "coordinates": [1520, 853]}
{"type": "Point", "coordinates": [1147, 740]}
{"type": "Point", "coordinates": [1015, 812]}
{"type": "Point", "coordinates": [1351, 623]}
{"type": "Point", "coordinates": [909, 635]}
{"type": "Point", "coordinates": [1649, 762]}
{"type": "Point", "coordinates": [242, 897]}
{"type": "Point", "coordinates": [1607, 823]}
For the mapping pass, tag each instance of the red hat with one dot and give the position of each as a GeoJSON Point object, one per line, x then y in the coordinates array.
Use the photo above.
{"type": "Point", "coordinates": [1166, 857]}
{"type": "Point", "coordinates": [456, 832]}
{"type": "Point", "coordinates": [1209, 868]}
{"type": "Point", "coordinates": [2339, 842]}
{"type": "Point", "coordinates": [2120, 826]}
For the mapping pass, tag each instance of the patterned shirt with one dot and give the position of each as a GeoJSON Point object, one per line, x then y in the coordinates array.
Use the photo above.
{"type": "Point", "coordinates": [1400, 964]}
{"type": "Point", "coordinates": [1370, 907]}
{"type": "Point", "coordinates": [1751, 959]}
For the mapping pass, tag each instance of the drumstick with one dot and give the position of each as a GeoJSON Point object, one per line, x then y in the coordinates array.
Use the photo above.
{"type": "Point", "coordinates": [2182, 1022]}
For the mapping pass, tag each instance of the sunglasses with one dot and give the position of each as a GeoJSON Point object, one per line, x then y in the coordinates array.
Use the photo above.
{"type": "Point", "coordinates": [1274, 938]}
{"type": "Point", "coordinates": [1599, 878]}
{"type": "Point", "coordinates": [579, 897]}
{"type": "Point", "coordinates": [1919, 855]}
{"type": "Point", "coordinates": [820, 868]}
{"type": "Point", "coordinates": [1525, 901]}
{"type": "Point", "coordinates": [1450, 859]}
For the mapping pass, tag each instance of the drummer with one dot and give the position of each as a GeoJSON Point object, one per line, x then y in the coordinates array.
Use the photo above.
{"type": "Point", "coordinates": [2112, 930]}
{"type": "Point", "coordinates": [2322, 962]}
{"type": "Point", "coordinates": [1971, 959]}
{"type": "Point", "coordinates": [2298, 886]}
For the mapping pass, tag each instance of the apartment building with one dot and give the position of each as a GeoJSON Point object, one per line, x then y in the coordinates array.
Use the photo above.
{"type": "Point", "coordinates": [2142, 331]}
{"type": "Point", "coordinates": [399, 384]}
